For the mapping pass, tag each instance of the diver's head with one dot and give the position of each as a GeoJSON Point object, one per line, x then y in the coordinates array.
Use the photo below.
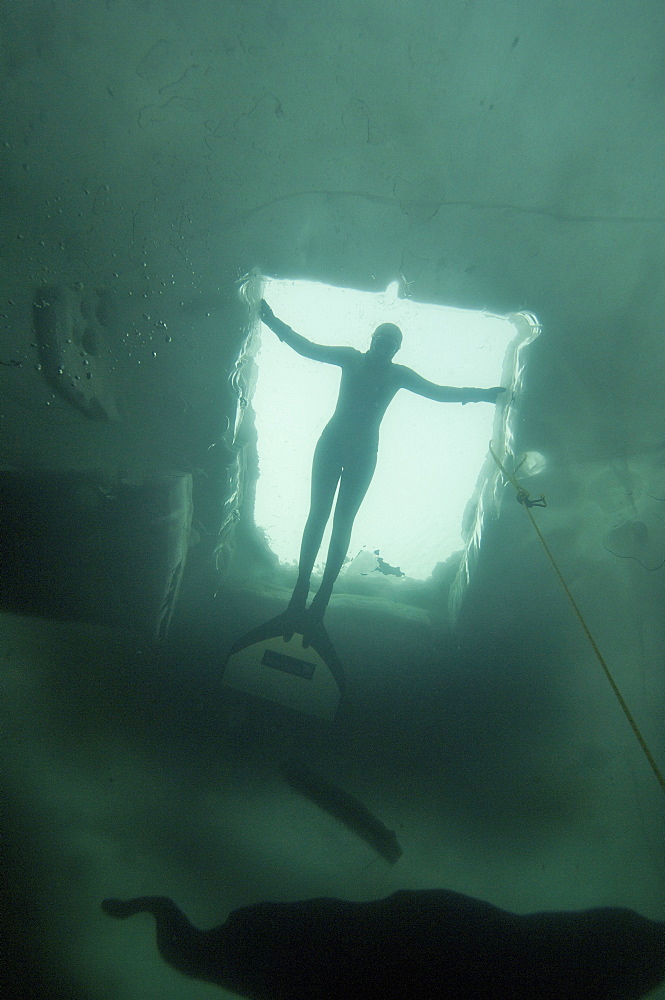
{"type": "Point", "coordinates": [386, 341]}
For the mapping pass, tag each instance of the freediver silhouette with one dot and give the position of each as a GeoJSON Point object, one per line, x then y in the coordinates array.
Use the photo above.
{"type": "Point", "coordinates": [346, 452]}
{"type": "Point", "coordinates": [427, 943]}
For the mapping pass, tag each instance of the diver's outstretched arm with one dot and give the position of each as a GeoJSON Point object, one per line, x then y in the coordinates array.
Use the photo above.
{"type": "Point", "coordinates": [447, 393]}
{"type": "Point", "coordinates": [300, 344]}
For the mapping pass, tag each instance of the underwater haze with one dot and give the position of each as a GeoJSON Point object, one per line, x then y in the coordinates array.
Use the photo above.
{"type": "Point", "coordinates": [496, 729]}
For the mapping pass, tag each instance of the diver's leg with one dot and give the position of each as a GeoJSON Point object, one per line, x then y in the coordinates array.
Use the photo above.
{"type": "Point", "coordinates": [326, 471]}
{"type": "Point", "coordinates": [353, 486]}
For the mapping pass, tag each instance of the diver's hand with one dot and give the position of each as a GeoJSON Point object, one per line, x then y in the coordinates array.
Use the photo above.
{"type": "Point", "coordinates": [266, 314]}
{"type": "Point", "coordinates": [281, 330]}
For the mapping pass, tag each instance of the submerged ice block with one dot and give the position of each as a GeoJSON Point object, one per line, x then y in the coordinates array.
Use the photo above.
{"type": "Point", "coordinates": [69, 326]}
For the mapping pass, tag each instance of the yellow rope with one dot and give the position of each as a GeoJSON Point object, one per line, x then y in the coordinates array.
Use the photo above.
{"type": "Point", "coordinates": [626, 711]}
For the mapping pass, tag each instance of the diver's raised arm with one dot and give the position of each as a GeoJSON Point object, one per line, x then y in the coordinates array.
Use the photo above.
{"type": "Point", "coordinates": [300, 344]}
{"type": "Point", "coordinates": [284, 332]}
{"type": "Point", "coordinates": [447, 393]}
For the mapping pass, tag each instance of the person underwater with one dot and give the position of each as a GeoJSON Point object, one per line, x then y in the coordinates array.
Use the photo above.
{"type": "Point", "coordinates": [346, 451]}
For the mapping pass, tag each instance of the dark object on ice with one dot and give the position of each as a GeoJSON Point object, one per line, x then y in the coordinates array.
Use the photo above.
{"type": "Point", "coordinates": [383, 567]}
{"type": "Point", "coordinates": [344, 807]}
{"type": "Point", "coordinates": [69, 326]}
{"type": "Point", "coordinates": [426, 944]}
{"type": "Point", "coordinates": [288, 662]}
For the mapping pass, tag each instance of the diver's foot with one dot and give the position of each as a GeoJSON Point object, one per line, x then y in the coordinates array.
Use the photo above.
{"type": "Point", "coordinates": [310, 630]}
{"type": "Point", "coordinates": [293, 619]}
{"type": "Point", "coordinates": [299, 596]}
{"type": "Point", "coordinates": [296, 606]}
{"type": "Point", "coordinates": [313, 622]}
{"type": "Point", "coordinates": [317, 608]}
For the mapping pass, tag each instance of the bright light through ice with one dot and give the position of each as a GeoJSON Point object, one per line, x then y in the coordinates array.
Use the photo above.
{"type": "Point", "coordinates": [430, 454]}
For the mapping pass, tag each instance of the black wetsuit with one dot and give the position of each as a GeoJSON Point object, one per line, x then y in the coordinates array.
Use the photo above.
{"type": "Point", "coordinates": [347, 448]}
